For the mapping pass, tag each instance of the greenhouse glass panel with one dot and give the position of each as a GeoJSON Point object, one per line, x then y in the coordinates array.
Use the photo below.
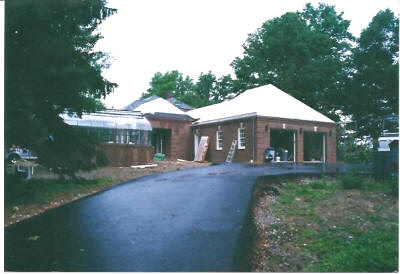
{"type": "Point", "coordinates": [148, 138]}
{"type": "Point", "coordinates": [121, 127]}
{"type": "Point", "coordinates": [108, 135]}
{"type": "Point", "coordinates": [134, 137]}
{"type": "Point", "coordinates": [143, 138]}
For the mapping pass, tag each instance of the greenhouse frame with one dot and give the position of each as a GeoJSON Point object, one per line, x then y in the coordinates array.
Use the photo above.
{"type": "Point", "coordinates": [125, 136]}
{"type": "Point", "coordinates": [114, 127]}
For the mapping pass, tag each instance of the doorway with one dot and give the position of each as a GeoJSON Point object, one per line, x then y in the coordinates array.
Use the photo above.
{"type": "Point", "coordinates": [196, 141]}
{"type": "Point", "coordinates": [161, 141]}
{"type": "Point", "coordinates": [314, 147]}
{"type": "Point", "coordinates": [284, 143]}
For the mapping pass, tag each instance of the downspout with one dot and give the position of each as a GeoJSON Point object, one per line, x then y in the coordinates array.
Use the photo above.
{"type": "Point", "coordinates": [253, 141]}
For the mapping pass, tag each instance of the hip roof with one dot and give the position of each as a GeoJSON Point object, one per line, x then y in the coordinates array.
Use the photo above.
{"type": "Point", "coordinates": [266, 101]}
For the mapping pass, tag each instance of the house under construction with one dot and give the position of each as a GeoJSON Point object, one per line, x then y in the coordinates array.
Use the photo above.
{"type": "Point", "coordinates": [258, 121]}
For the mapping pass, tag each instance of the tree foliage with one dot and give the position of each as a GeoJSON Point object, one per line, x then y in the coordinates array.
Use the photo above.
{"type": "Point", "coordinates": [51, 68]}
{"type": "Point", "coordinates": [207, 90]}
{"type": "Point", "coordinates": [303, 53]}
{"type": "Point", "coordinates": [164, 85]}
{"type": "Point", "coordinates": [373, 90]}
{"type": "Point", "coordinates": [353, 150]}
{"type": "Point", "coordinates": [311, 55]}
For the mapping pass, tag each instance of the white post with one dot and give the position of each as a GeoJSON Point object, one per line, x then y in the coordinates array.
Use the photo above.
{"type": "Point", "coordinates": [196, 143]}
{"type": "Point", "coordinates": [161, 144]}
{"type": "Point", "coordinates": [323, 148]}
{"type": "Point", "coordinates": [294, 146]}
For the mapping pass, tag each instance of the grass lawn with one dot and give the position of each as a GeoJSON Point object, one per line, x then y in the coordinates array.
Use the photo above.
{"type": "Point", "coordinates": [24, 199]}
{"type": "Point", "coordinates": [331, 224]}
{"type": "Point", "coordinates": [45, 190]}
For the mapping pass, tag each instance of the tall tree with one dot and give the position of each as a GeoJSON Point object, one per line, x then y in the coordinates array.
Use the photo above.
{"type": "Point", "coordinates": [173, 83]}
{"type": "Point", "coordinates": [207, 90]}
{"type": "Point", "coordinates": [184, 86]}
{"type": "Point", "coordinates": [206, 87]}
{"type": "Point", "coordinates": [226, 88]}
{"type": "Point", "coordinates": [51, 68]}
{"type": "Point", "coordinates": [373, 91]}
{"type": "Point", "coordinates": [303, 53]}
{"type": "Point", "coordinates": [164, 85]}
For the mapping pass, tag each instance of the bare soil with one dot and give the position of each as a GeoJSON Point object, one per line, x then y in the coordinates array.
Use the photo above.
{"type": "Point", "coordinates": [112, 176]}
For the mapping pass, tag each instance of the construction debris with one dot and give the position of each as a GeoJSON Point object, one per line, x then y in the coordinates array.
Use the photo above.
{"type": "Point", "coordinates": [144, 166]}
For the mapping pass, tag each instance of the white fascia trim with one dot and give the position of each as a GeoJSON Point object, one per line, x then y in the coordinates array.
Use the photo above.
{"type": "Point", "coordinates": [252, 114]}
{"type": "Point", "coordinates": [247, 115]}
{"type": "Point", "coordinates": [299, 120]}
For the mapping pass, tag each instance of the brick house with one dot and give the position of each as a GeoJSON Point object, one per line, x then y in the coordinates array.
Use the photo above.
{"type": "Point", "coordinates": [259, 118]}
{"type": "Point", "coordinates": [265, 117]}
{"type": "Point", "coordinates": [171, 134]}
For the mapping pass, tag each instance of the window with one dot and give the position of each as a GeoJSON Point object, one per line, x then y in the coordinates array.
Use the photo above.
{"type": "Point", "coordinates": [124, 135]}
{"type": "Point", "coordinates": [220, 136]}
{"type": "Point", "coordinates": [142, 137]}
{"type": "Point", "coordinates": [133, 136]}
{"type": "Point", "coordinates": [241, 138]}
{"type": "Point", "coordinates": [118, 136]}
{"type": "Point", "coordinates": [108, 135]}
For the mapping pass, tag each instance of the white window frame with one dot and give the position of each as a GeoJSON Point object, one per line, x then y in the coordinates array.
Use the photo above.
{"type": "Point", "coordinates": [218, 147]}
{"type": "Point", "coordinates": [239, 138]}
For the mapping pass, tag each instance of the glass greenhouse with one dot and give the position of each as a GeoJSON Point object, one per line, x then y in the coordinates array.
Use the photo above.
{"type": "Point", "coordinates": [114, 126]}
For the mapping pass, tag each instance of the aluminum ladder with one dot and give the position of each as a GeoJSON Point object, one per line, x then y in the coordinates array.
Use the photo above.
{"type": "Point", "coordinates": [231, 152]}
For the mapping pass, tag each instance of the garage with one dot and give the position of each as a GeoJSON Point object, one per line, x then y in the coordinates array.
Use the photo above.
{"type": "Point", "coordinates": [314, 147]}
{"type": "Point", "coordinates": [275, 124]}
{"type": "Point", "coordinates": [283, 142]}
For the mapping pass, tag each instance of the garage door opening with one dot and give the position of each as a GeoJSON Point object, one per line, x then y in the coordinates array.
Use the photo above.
{"type": "Point", "coordinates": [314, 147]}
{"type": "Point", "coordinates": [284, 143]}
{"type": "Point", "coordinates": [161, 140]}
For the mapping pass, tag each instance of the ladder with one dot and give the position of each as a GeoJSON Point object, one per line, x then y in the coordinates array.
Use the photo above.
{"type": "Point", "coordinates": [231, 152]}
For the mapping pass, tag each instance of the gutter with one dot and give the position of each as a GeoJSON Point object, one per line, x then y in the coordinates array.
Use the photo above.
{"type": "Point", "coordinates": [241, 116]}
{"type": "Point", "coordinates": [252, 114]}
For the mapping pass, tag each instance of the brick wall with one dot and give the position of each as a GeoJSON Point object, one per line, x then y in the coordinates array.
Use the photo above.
{"type": "Point", "coordinates": [230, 133]}
{"type": "Point", "coordinates": [127, 155]}
{"type": "Point", "coordinates": [180, 145]}
{"type": "Point", "coordinates": [261, 139]}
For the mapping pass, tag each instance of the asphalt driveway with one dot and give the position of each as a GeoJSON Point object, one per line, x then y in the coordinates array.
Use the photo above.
{"type": "Point", "coordinates": [188, 220]}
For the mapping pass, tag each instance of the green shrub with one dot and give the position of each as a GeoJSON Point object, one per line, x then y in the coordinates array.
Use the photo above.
{"type": "Point", "coordinates": [351, 152]}
{"type": "Point", "coordinates": [352, 181]}
{"type": "Point", "coordinates": [101, 159]}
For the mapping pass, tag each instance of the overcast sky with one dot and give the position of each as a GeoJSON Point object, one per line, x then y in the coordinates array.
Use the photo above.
{"type": "Point", "coordinates": [195, 36]}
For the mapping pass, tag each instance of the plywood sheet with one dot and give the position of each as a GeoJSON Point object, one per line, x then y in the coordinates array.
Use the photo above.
{"type": "Point", "coordinates": [201, 149]}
